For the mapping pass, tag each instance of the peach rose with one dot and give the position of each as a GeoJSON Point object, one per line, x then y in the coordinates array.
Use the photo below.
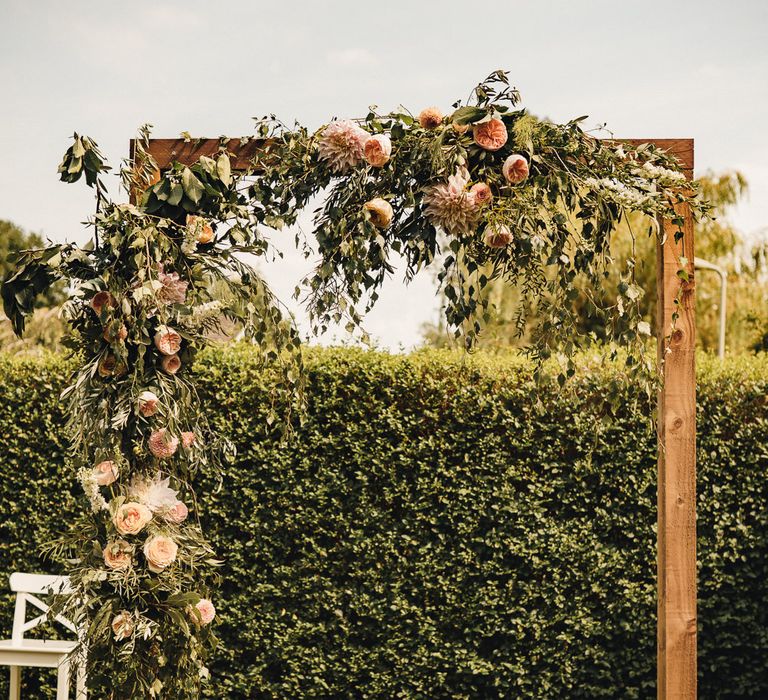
{"type": "Point", "coordinates": [188, 438]}
{"type": "Point", "coordinates": [497, 236]}
{"type": "Point", "coordinates": [122, 625]}
{"type": "Point", "coordinates": [430, 118]}
{"type": "Point", "coordinates": [130, 518]}
{"type": "Point", "coordinates": [162, 445]}
{"type": "Point", "coordinates": [110, 367]}
{"type": "Point", "coordinates": [101, 300]}
{"type": "Point", "coordinates": [377, 150]}
{"type": "Point", "coordinates": [177, 513]}
{"type": "Point", "coordinates": [490, 135]}
{"type": "Point", "coordinates": [118, 555]}
{"type": "Point", "coordinates": [515, 169]}
{"type": "Point", "coordinates": [167, 340]}
{"type": "Point", "coordinates": [200, 228]}
{"type": "Point", "coordinates": [160, 552]}
{"type": "Point", "coordinates": [148, 403]}
{"type": "Point", "coordinates": [170, 364]}
{"type": "Point", "coordinates": [203, 613]}
{"type": "Point", "coordinates": [114, 331]}
{"type": "Point", "coordinates": [380, 212]}
{"type": "Point", "coordinates": [106, 473]}
{"type": "Point", "coordinates": [482, 193]}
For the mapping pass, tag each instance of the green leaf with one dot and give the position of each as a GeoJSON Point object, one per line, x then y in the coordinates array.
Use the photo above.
{"type": "Point", "coordinates": [193, 188]}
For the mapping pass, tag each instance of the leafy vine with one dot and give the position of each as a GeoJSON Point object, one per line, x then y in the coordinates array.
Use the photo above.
{"type": "Point", "coordinates": [487, 192]}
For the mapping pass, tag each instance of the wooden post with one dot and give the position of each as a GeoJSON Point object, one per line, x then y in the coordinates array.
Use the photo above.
{"type": "Point", "coordinates": [676, 625]}
{"type": "Point", "coordinates": [676, 671]}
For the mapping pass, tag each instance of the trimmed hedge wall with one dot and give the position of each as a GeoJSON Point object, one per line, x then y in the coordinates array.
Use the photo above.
{"type": "Point", "coordinates": [431, 534]}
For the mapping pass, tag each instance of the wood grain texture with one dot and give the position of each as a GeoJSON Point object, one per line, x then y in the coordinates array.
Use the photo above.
{"type": "Point", "coordinates": [676, 416]}
{"type": "Point", "coordinates": [677, 621]}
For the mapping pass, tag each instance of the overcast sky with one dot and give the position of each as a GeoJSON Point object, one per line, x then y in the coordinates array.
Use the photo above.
{"type": "Point", "coordinates": [649, 69]}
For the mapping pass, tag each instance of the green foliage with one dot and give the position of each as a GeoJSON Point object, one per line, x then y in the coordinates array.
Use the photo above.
{"type": "Point", "coordinates": [433, 533]}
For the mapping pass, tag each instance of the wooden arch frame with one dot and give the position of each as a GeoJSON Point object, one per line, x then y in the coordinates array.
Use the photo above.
{"type": "Point", "coordinates": [676, 548]}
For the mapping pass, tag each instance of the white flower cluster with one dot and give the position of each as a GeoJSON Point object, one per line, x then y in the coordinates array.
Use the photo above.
{"type": "Point", "coordinates": [664, 176]}
{"type": "Point", "coordinates": [618, 192]}
{"type": "Point", "coordinates": [91, 487]}
{"type": "Point", "coordinates": [203, 312]}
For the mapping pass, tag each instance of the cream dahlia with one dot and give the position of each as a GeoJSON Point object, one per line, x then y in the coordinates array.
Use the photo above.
{"type": "Point", "coordinates": [451, 206]}
{"type": "Point", "coordinates": [342, 145]}
{"type": "Point", "coordinates": [155, 493]}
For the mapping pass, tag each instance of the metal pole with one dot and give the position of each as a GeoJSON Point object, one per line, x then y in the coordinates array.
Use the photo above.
{"type": "Point", "coordinates": [701, 264]}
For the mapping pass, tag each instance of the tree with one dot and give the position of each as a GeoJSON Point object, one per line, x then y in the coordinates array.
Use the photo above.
{"type": "Point", "coordinates": [633, 260]}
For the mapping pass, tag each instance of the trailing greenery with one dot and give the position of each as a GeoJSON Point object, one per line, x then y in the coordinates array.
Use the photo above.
{"type": "Point", "coordinates": [431, 532]}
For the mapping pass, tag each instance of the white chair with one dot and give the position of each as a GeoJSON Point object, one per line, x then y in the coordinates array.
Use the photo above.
{"type": "Point", "coordinates": [18, 652]}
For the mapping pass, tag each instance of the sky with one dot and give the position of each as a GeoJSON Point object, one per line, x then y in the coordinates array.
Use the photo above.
{"type": "Point", "coordinates": [645, 68]}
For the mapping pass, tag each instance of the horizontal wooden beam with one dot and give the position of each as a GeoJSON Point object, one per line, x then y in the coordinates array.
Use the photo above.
{"type": "Point", "coordinates": [243, 151]}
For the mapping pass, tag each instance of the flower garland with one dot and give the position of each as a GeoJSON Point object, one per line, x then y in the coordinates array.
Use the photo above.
{"type": "Point", "coordinates": [486, 192]}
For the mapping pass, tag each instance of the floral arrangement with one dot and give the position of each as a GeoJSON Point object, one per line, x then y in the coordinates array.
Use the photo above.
{"type": "Point", "coordinates": [487, 191]}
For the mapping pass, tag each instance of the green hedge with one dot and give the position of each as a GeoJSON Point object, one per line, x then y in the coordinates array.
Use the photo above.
{"type": "Point", "coordinates": [431, 533]}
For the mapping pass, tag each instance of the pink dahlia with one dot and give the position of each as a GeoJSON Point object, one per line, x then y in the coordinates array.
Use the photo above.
{"type": "Point", "coordinates": [430, 118]}
{"type": "Point", "coordinates": [342, 145]}
{"type": "Point", "coordinates": [174, 290]}
{"type": "Point", "coordinates": [188, 438]}
{"type": "Point", "coordinates": [163, 445]}
{"type": "Point", "coordinates": [451, 206]}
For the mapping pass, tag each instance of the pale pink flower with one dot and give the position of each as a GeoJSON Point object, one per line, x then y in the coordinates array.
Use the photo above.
{"type": "Point", "coordinates": [122, 625]}
{"type": "Point", "coordinates": [490, 135]}
{"type": "Point", "coordinates": [451, 206]}
{"type": "Point", "coordinates": [430, 118]}
{"type": "Point", "coordinates": [380, 212]}
{"type": "Point", "coordinates": [118, 555]}
{"type": "Point", "coordinates": [177, 513]}
{"type": "Point", "coordinates": [106, 473]}
{"type": "Point", "coordinates": [497, 236]}
{"type": "Point", "coordinates": [482, 193]}
{"type": "Point", "coordinates": [131, 518]}
{"type": "Point", "coordinates": [162, 444]}
{"type": "Point", "coordinates": [171, 364]}
{"type": "Point", "coordinates": [160, 552]}
{"type": "Point", "coordinates": [203, 613]}
{"type": "Point", "coordinates": [515, 169]}
{"type": "Point", "coordinates": [148, 403]}
{"type": "Point", "coordinates": [378, 149]}
{"type": "Point", "coordinates": [342, 145]}
{"type": "Point", "coordinates": [188, 438]}
{"type": "Point", "coordinates": [167, 340]}
{"type": "Point", "coordinates": [174, 289]}
{"type": "Point", "coordinates": [155, 493]}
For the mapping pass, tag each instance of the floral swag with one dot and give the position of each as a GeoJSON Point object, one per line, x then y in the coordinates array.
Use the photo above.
{"type": "Point", "coordinates": [486, 192]}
